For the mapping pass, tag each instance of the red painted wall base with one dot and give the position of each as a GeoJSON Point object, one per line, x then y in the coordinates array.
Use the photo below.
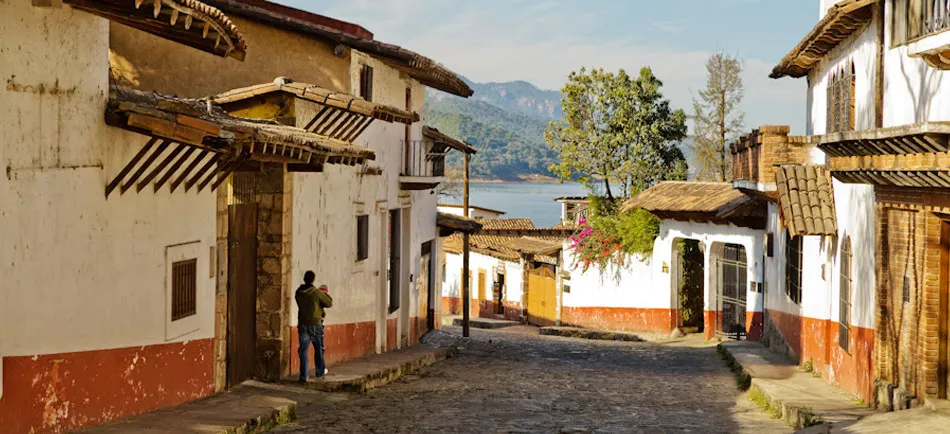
{"type": "Point", "coordinates": [618, 318]}
{"type": "Point", "coordinates": [61, 392]}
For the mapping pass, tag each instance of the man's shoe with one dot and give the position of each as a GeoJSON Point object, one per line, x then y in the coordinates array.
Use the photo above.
{"type": "Point", "coordinates": [325, 371]}
{"type": "Point", "coordinates": [302, 381]}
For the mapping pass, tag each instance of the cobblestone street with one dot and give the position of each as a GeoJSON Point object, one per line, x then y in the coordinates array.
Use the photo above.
{"type": "Point", "coordinates": [514, 380]}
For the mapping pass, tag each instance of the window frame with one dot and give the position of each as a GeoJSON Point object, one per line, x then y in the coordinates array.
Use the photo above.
{"type": "Point", "coordinates": [793, 267]}
{"type": "Point", "coordinates": [187, 307]}
{"type": "Point", "coordinates": [840, 100]}
{"type": "Point", "coordinates": [362, 237]}
{"type": "Point", "coordinates": [366, 82]}
{"type": "Point", "coordinates": [845, 293]}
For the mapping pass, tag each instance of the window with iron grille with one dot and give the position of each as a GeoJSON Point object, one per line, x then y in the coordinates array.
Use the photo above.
{"type": "Point", "coordinates": [793, 268]}
{"type": "Point", "coordinates": [184, 288]}
{"type": "Point", "coordinates": [366, 83]}
{"type": "Point", "coordinates": [844, 289]}
{"type": "Point", "coordinates": [362, 237]}
{"type": "Point", "coordinates": [840, 116]}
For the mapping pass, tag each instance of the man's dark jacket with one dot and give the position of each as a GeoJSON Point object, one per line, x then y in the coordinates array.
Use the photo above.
{"type": "Point", "coordinates": [310, 304]}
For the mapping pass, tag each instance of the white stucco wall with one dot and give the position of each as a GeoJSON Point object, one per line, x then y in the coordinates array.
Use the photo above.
{"type": "Point", "coordinates": [629, 285]}
{"type": "Point", "coordinates": [80, 272]}
{"type": "Point", "coordinates": [475, 213]}
{"type": "Point", "coordinates": [326, 206]}
{"type": "Point", "coordinates": [860, 49]}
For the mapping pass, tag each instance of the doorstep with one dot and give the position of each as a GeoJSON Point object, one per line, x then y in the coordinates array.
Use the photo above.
{"type": "Point", "coordinates": [798, 397]}
{"type": "Point", "coordinates": [361, 375]}
{"type": "Point", "coordinates": [244, 409]}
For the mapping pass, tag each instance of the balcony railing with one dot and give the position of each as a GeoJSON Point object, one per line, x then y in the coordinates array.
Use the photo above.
{"type": "Point", "coordinates": [418, 161]}
{"type": "Point", "coordinates": [926, 17]}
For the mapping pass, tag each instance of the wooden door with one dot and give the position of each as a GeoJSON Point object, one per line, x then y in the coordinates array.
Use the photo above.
{"type": "Point", "coordinates": [427, 285]}
{"type": "Point", "coordinates": [542, 296]}
{"type": "Point", "coordinates": [395, 236]}
{"type": "Point", "coordinates": [242, 293]}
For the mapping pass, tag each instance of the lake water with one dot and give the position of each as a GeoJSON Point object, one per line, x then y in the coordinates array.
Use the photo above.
{"type": "Point", "coordinates": [519, 200]}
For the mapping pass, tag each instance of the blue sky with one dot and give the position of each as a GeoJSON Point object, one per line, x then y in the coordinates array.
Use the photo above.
{"type": "Point", "coordinates": [541, 41]}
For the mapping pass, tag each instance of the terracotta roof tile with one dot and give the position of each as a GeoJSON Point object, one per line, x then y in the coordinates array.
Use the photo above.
{"type": "Point", "coordinates": [506, 224]}
{"type": "Point", "coordinates": [806, 199]}
{"type": "Point", "coordinates": [689, 196]}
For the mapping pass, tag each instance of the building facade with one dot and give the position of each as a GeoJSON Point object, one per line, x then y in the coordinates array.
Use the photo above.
{"type": "Point", "coordinates": [178, 281]}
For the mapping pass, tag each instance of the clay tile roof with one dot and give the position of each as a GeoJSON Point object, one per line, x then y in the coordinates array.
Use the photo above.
{"type": "Point", "coordinates": [320, 95]}
{"type": "Point", "coordinates": [200, 123]}
{"type": "Point", "coordinates": [718, 198]}
{"type": "Point", "coordinates": [564, 225]}
{"type": "Point", "coordinates": [842, 20]}
{"type": "Point", "coordinates": [807, 200]}
{"type": "Point", "coordinates": [446, 140]}
{"type": "Point", "coordinates": [417, 66]}
{"type": "Point", "coordinates": [457, 223]}
{"type": "Point", "coordinates": [495, 246]}
{"type": "Point", "coordinates": [506, 224]}
{"type": "Point", "coordinates": [189, 22]}
{"type": "Point", "coordinates": [536, 245]}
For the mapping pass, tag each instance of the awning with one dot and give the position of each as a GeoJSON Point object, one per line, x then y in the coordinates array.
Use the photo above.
{"type": "Point", "coordinates": [417, 66]}
{"type": "Point", "coordinates": [189, 22]}
{"type": "Point", "coordinates": [807, 200]}
{"type": "Point", "coordinates": [450, 223]}
{"type": "Point", "coordinates": [204, 144]}
{"type": "Point", "coordinates": [443, 141]}
{"type": "Point", "coordinates": [842, 20]}
{"type": "Point", "coordinates": [907, 156]}
{"type": "Point", "coordinates": [341, 116]}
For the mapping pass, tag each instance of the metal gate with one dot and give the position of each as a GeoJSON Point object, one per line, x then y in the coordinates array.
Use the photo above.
{"type": "Point", "coordinates": [733, 284]}
{"type": "Point", "coordinates": [242, 292]}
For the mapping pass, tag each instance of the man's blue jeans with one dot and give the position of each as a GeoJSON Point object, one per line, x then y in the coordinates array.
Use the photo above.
{"type": "Point", "coordinates": [308, 334]}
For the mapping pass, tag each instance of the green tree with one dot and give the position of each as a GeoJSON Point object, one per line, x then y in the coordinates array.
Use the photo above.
{"type": "Point", "coordinates": [617, 129]}
{"type": "Point", "coordinates": [717, 118]}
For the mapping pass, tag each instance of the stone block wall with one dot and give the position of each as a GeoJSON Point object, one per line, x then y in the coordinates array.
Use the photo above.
{"type": "Point", "coordinates": [271, 263]}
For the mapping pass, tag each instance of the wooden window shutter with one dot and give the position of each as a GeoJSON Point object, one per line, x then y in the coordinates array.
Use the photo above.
{"type": "Point", "coordinates": [366, 83]}
{"type": "Point", "coordinates": [362, 237]}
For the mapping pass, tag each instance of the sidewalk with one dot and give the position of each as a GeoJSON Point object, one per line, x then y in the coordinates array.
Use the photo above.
{"type": "Point", "coordinates": [927, 419]}
{"type": "Point", "coordinates": [360, 375]}
{"type": "Point", "coordinates": [486, 323]}
{"type": "Point", "coordinates": [796, 396]}
{"type": "Point", "coordinates": [244, 409]}
{"type": "Point", "coordinates": [255, 407]}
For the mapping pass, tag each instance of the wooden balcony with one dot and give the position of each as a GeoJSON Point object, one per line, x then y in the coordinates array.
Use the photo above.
{"type": "Point", "coordinates": [421, 169]}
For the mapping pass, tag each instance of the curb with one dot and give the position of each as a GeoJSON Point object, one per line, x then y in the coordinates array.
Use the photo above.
{"type": "Point", "coordinates": [590, 334]}
{"type": "Point", "coordinates": [796, 417]}
{"type": "Point", "coordinates": [279, 416]}
{"type": "Point", "coordinates": [365, 383]}
{"type": "Point", "coordinates": [487, 325]}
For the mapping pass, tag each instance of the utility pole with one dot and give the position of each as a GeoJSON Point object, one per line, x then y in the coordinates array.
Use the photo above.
{"type": "Point", "coordinates": [466, 291]}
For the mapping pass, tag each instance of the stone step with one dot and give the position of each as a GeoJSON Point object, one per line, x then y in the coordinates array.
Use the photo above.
{"type": "Point", "coordinates": [603, 335]}
{"type": "Point", "coordinates": [487, 323]}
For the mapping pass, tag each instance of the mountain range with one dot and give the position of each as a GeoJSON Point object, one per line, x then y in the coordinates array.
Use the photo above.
{"type": "Point", "coordinates": [504, 121]}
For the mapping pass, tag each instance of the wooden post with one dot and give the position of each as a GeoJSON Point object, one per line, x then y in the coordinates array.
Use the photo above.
{"type": "Point", "coordinates": [466, 291]}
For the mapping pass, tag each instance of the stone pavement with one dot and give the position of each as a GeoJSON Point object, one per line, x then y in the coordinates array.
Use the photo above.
{"type": "Point", "coordinates": [244, 409]}
{"type": "Point", "coordinates": [603, 335]}
{"type": "Point", "coordinates": [486, 323]}
{"type": "Point", "coordinates": [800, 399]}
{"type": "Point", "coordinates": [514, 380]}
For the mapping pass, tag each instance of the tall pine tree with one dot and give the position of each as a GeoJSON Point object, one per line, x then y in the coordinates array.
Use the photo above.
{"type": "Point", "coordinates": [717, 117]}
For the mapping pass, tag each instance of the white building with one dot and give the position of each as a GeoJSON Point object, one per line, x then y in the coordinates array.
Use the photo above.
{"type": "Point", "coordinates": [475, 212]}
{"type": "Point", "coordinates": [171, 234]}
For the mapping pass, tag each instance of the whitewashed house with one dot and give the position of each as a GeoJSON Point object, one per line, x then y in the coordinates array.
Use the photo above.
{"type": "Point", "coordinates": [878, 325]}
{"type": "Point", "coordinates": [152, 243]}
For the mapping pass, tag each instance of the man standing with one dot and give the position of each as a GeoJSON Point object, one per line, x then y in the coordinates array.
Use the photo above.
{"type": "Point", "coordinates": [311, 303]}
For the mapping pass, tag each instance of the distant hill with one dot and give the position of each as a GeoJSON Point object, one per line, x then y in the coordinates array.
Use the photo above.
{"type": "Point", "coordinates": [504, 121]}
